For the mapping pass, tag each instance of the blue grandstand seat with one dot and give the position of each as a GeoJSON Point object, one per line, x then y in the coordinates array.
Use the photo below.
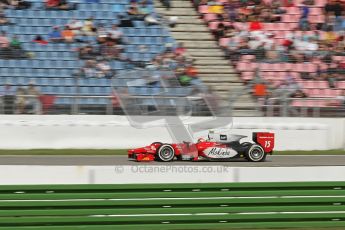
{"type": "Point", "coordinates": [52, 65]}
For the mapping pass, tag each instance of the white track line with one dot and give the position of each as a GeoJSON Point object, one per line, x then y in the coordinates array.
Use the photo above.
{"type": "Point", "coordinates": [171, 198]}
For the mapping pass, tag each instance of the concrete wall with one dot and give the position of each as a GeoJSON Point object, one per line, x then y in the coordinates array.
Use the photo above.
{"type": "Point", "coordinates": [101, 132]}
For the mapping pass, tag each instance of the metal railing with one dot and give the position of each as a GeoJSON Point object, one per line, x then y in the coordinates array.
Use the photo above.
{"type": "Point", "coordinates": [198, 206]}
{"type": "Point", "coordinates": [168, 105]}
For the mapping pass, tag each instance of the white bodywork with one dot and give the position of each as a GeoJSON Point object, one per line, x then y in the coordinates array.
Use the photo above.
{"type": "Point", "coordinates": [220, 153]}
{"type": "Point", "coordinates": [224, 138]}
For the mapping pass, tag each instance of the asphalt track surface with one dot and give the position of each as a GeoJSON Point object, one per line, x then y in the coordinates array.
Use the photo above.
{"type": "Point", "coordinates": [271, 161]}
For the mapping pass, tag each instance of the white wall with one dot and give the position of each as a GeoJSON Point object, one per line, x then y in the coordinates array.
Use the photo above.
{"type": "Point", "coordinates": [14, 174]}
{"type": "Point", "coordinates": [102, 132]}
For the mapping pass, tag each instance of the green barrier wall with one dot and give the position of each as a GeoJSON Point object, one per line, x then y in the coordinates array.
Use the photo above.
{"type": "Point", "coordinates": [173, 206]}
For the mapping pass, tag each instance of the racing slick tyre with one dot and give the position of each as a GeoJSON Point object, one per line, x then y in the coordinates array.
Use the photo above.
{"type": "Point", "coordinates": [158, 143]}
{"type": "Point", "coordinates": [165, 153]}
{"type": "Point", "coordinates": [255, 153]}
{"type": "Point", "coordinates": [246, 144]}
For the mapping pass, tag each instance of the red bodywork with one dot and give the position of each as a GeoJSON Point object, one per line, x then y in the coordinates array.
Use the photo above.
{"type": "Point", "coordinates": [148, 153]}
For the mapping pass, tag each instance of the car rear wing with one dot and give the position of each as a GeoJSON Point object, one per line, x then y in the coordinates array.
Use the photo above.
{"type": "Point", "coordinates": [265, 140]}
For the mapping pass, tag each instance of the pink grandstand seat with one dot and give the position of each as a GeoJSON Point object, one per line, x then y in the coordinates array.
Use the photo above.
{"type": "Point", "coordinates": [322, 84]}
{"type": "Point", "coordinates": [224, 42]}
{"type": "Point", "coordinates": [293, 10]}
{"type": "Point", "coordinates": [308, 84]}
{"type": "Point", "coordinates": [278, 26]}
{"type": "Point", "coordinates": [268, 76]}
{"type": "Point", "coordinates": [213, 25]}
{"type": "Point", "coordinates": [290, 17]}
{"type": "Point", "coordinates": [203, 9]}
{"type": "Point", "coordinates": [320, 3]}
{"type": "Point", "coordinates": [210, 17]}
{"type": "Point", "coordinates": [337, 58]}
{"type": "Point", "coordinates": [287, 66]}
{"type": "Point", "coordinates": [265, 66]}
{"type": "Point", "coordinates": [240, 25]}
{"type": "Point", "coordinates": [247, 75]}
{"type": "Point", "coordinates": [323, 66]}
{"type": "Point", "coordinates": [314, 92]}
{"type": "Point", "coordinates": [297, 76]}
{"type": "Point", "coordinates": [341, 84]}
{"type": "Point", "coordinates": [315, 11]}
{"type": "Point", "coordinates": [297, 33]}
{"type": "Point", "coordinates": [310, 33]}
{"type": "Point", "coordinates": [269, 26]}
{"type": "Point", "coordinates": [317, 18]}
{"type": "Point", "coordinates": [279, 34]}
{"type": "Point", "coordinates": [242, 66]}
{"type": "Point", "coordinates": [299, 67]}
{"type": "Point", "coordinates": [298, 103]}
{"type": "Point", "coordinates": [248, 57]}
{"type": "Point", "coordinates": [292, 25]}
{"type": "Point", "coordinates": [309, 67]}
{"type": "Point", "coordinates": [329, 93]}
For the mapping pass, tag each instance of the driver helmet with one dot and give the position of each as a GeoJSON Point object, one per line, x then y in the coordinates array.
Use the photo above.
{"type": "Point", "coordinates": [201, 140]}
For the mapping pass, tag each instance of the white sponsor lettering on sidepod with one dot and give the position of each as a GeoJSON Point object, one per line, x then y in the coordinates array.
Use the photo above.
{"type": "Point", "coordinates": [216, 152]}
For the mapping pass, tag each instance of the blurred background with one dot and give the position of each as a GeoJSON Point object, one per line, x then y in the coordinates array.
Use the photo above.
{"type": "Point", "coordinates": [252, 57]}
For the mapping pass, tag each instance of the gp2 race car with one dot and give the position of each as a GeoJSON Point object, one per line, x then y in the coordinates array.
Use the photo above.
{"type": "Point", "coordinates": [218, 147]}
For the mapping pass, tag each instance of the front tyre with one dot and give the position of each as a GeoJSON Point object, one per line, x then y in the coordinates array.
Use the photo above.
{"type": "Point", "coordinates": [165, 153]}
{"type": "Point", "coordinates": [255, 153]}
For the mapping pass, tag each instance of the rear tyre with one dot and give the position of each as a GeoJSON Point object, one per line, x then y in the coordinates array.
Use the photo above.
{"type": "Point", "coordinates": [165, 153]}
{"type": "Point", "coordinates": [246, 144]}
{"type": "Point", "coordinates": [255, 153]}
{"type": "Point", "coordinates": [157, 143]}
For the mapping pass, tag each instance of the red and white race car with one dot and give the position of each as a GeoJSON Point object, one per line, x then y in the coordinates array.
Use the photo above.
{"type": "Point", "coordinates": [218, 146]}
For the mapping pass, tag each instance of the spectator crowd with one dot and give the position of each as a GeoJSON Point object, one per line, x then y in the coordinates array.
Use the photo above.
{"type": "Point", "coordinates": [281, 32]}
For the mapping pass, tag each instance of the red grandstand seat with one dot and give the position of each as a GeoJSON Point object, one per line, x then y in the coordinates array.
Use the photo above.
{"type": "Point", "coordinates": [203, 9]}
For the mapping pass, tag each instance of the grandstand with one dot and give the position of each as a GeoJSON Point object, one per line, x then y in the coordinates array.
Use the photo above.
{"type": "Point", "coordinates": [289, 45]}
{"type": "Point", "coordinates": [55, 67]}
